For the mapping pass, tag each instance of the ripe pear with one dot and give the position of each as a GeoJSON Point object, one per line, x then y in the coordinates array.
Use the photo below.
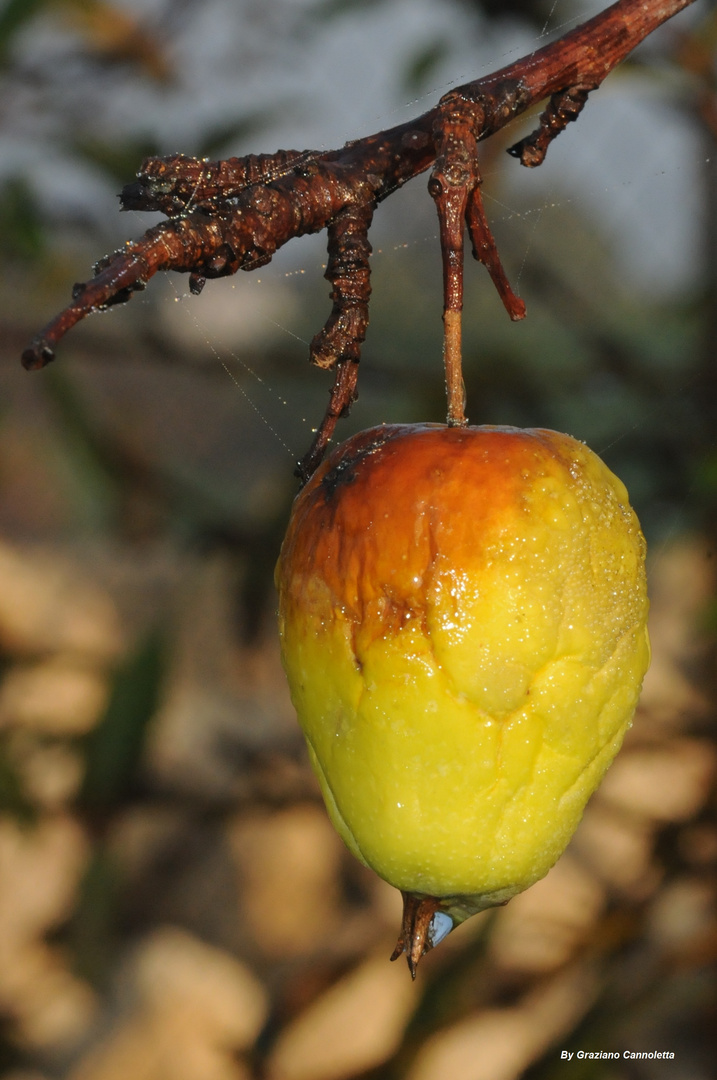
{"type": "Point", "coordinates": [463, 626]}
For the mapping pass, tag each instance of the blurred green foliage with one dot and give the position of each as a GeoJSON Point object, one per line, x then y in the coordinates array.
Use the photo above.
{"type": "Point", "coordinates": [22, 233]}
{"type": "Point", "coordinates": [13, 16]}
{"type": "Point", "coordinates": [14, 799]}
{"type": "Point", "coordinates": [114, 748]}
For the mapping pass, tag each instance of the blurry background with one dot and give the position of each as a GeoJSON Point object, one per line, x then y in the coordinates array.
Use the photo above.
{"type": "Point", "coordinates": [173, 902]}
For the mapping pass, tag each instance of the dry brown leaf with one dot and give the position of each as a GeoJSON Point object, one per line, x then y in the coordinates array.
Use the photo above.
{"type": "Point", "coordinates": [147, 1048]}
{"type": "Point", "coordinates": [353, 1026]}
{"type": "Point", "coordinates": [669, 701]}
{"type": "Point", "coordinates": [58, 697]}
{"type": "Point", "coordinates": [177, 974]}
{"type": "Point", "coordinates": [618, 849]}
{"type": "Point", "coordinates": [48, 605]}
{"type": "Point", "coordinates": [240, 693]}
{"type": "Point", "coordinates": [665, 783]}
{"type": "Point", "coordinates": [40, 868]}
{"type": "Point", "coordinates": [540, 929]}
{"type": "Point", "coordinates": [681, 579]}
{"type": "Point", "coordinates": [190, 1009]}
{"type": "Point", "coordinates": [683, 913]}
{"type": "Point", "coordinates": [51, 1008]}
{"type": "Point", "coordinates": [288, 865]}
{"type": "Point", "coordinates": [498, 1044]}
{"type": "Point", "coordinates": [51, 775]}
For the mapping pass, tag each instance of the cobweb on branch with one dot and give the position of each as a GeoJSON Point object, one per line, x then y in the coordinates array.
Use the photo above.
{"type": "Point", "coordinates": [621, 180]}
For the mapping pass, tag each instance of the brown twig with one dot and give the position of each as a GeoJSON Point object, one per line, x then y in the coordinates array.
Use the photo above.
{"type": "Point", "coordinates": [342, 396]}
{"type": "Point", "coordinates": [234, 215]}
{"type": "Point", "coordinates": [178, 183]}
{"type": "Point", "coordinates": [562, 109]}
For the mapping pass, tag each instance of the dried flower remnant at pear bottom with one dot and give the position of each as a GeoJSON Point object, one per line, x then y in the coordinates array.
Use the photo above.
{"type": "Point", "coordinates": [463, 621]}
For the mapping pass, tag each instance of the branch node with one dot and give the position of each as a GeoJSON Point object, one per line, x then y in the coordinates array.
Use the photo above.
{"type": "Point", "coordinates": [455, 188]}
{"type": "Point", "coordinates": [349, 272]}
{"type": "Point", "coordinates": [562, 109]}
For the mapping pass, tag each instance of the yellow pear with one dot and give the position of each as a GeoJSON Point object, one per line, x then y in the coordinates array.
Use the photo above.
{"type": "Point", "coordinates": [463, 624]}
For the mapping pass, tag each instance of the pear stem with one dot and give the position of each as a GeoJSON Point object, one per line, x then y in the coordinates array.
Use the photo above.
{"type": "Point", "coordinates": [452, 359]}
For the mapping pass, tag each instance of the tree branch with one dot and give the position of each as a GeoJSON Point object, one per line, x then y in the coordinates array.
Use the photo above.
{"type": "Point", "coordinates": [227, 216]}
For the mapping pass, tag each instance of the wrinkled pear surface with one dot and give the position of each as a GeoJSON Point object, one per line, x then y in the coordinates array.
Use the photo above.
{"type": "Point", "coordinates": [463, 623]}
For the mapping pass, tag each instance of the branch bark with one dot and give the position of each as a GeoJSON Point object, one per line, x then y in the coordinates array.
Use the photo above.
{"type": "Point", "coordinates": [227, 216]}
